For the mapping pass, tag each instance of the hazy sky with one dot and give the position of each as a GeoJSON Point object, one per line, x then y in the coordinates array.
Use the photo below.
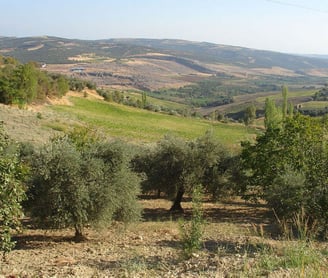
{"type": "Point", "coordinates": [293, 26]}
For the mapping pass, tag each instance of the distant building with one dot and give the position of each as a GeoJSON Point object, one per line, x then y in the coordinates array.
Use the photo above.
{"type": "Point", "coordinates": [78, 69]}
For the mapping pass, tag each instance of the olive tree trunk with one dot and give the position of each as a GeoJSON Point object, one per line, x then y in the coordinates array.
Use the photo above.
{"type": "Point", "coordinates": [177, 202]}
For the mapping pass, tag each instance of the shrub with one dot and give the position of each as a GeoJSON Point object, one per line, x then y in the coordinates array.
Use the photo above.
{"type": "Point", "coordinates": [287, 168]}
{"type": "Point", "coordinates": [191, 233]}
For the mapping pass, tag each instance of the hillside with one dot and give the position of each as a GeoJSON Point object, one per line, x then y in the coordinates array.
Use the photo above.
{"type": "Point", "coordinates": [37, 124]}
{"type": "Point", "coordinates": [153, 64]}
{"type": "Point", "coordinates": [205, 76]}
{"type": "Point", "coordinates": [60, 50]}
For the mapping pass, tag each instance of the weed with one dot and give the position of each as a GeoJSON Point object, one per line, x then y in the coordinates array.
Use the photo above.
{"type": "Point", "coordinates": [192, 232]}
{"type": "Point", "coordinates": [300, 254]}
{"type": "Point", "coordinates": [299, 226]}
{"type": "Point", "coordinates": [134, 265]}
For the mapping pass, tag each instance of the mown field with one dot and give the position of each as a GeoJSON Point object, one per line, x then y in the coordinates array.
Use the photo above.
{"type": "Point", "coordinates": [139, 125]}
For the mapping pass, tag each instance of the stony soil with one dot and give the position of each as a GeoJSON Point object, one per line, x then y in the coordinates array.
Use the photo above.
{"type": "Point", "coordinates": [150, 248]}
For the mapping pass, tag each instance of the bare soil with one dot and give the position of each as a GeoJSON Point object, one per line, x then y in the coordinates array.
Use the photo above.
{"type": "Point", "coordinates": [37, 123]}
{"type": "Point", "coordinates": [149, 248]}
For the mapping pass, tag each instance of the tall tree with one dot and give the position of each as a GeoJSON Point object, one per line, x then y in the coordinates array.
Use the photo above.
{"type": "Point", "coordinates": [272, 117]}
{"type": "Point", "coordinates": [250, 114]}
{"type": "Point", "coordinates": [143, 99]}
{"type": "Point", "coordinates": [284, 101]}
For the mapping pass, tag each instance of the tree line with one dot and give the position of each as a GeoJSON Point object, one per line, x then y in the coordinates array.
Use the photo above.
{"type": "Point", "coordinates": [23, 84]}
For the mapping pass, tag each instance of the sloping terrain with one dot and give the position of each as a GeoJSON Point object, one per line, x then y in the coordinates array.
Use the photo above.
{"type": "Point", "coordinates": [59, 50]}
{"type": "Point", "coordinates": [227, 77]}
{"type": "Point", "coordinates": [237, 242]}
{"type": "Point", "coordinates": [152, 64]}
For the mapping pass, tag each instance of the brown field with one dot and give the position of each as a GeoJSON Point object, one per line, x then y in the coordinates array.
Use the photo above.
{"type": "Point", "coordinates": [132, 73]}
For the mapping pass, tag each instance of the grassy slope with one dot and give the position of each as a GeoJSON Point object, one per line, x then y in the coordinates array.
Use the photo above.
{"type": "Point", "coordinates": [143, 126]}
{"type": "Point", "coordinates": [291, 95]}
{"type": "Point", "coordinates": [160, 102]}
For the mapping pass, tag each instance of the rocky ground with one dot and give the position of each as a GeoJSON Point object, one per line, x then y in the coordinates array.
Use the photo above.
{"type": "Point", "coordinates": [231, 247]}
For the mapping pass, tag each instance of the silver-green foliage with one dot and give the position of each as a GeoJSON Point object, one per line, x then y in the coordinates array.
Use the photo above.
{"type": "Point", "coordinates": [78, 184]}
{"type": "Point", "coordinates": [176, 166]}
{"type": "Point", "coordinates": [12, 192]}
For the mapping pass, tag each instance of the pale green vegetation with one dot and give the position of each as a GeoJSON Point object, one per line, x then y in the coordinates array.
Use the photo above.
{"type": "Point", "coordinates": [291, 94]}
{"type": "Point", "coordinates": [192, 232]}
{"type": "Point", "coordinates": [315, 104]}
{"type": "Point", "coordinates": [139, 125]}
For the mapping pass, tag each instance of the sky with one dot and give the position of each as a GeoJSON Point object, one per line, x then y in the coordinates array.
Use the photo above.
{"type": "Point", "coordinates": [290, 26]}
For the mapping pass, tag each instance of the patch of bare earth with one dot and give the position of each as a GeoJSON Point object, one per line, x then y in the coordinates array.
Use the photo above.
{"type": "Point", "coordinates": [150, 248]}
{"type": "Point", "coordinates": [37, 123]}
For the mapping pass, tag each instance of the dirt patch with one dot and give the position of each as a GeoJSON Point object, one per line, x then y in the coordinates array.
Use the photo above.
{"type": "Point", "coordinates": [150, 248]}
{"type": "Point", "coordinates": [35, 123]}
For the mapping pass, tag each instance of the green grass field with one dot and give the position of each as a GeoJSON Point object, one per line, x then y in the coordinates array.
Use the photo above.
{"type": "Point", "coordinates": [160, 102]}
{"type": "Point", "coordinates": [315, 104]}
{"type": "Point", "coordinates": [291, 94]}
{"type": "Point", "coordinates": [139, 125]}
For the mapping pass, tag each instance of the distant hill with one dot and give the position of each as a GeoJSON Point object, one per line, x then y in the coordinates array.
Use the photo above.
{"type": "Point", "coordinates": [60, 50]}
{"type": "Point", "coordinates": [200, 76]}
{"type": "Point", "coordinates": [319, 56]}
{"type": "Point", "coordinates": [196, 74]}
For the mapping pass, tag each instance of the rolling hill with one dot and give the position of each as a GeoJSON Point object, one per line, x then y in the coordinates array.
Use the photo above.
{"type": "Point", "coordinates": [172, 69]}
{"type": "Point", "coordinates": [61, 50]}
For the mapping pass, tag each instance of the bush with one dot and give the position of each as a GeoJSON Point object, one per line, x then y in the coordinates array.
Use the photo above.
{"type": "Point", "coordinates": [191, 233]}
{"type": "Point", "coordinates": [287, 168]}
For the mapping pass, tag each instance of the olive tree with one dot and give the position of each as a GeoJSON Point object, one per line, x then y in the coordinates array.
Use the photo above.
{"type": "Point", "coordinates": [12, 191]}
{"type": "Point", "coordinates": [78, 184]}
{"type": "Point", "coordinates": [175, 166]}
